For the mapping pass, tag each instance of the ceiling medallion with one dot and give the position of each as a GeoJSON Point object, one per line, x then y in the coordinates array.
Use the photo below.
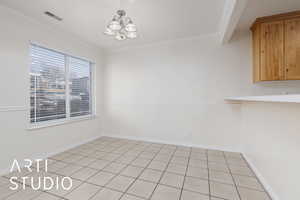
{"type": "Point", "coordinates": [121, 27]}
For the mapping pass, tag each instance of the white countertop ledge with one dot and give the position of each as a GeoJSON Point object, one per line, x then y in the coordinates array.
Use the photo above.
{"type": "Point", "coordinates": [292, 98]}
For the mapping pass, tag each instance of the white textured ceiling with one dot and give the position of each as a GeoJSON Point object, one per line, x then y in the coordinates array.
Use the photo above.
{"type": "Point", "coordinates": [260, 8]}
{"type": "Point", "coordinates": [157, 20]}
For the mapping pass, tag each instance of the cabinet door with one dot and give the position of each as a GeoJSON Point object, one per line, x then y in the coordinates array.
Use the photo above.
{"type": "Point", "coordinates": [272, 51]}
{"type": "Point", "coordinates": [292, 49]}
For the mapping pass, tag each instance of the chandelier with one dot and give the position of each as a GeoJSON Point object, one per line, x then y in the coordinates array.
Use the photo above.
{"type": "Point", "coordinates": [121, 27]}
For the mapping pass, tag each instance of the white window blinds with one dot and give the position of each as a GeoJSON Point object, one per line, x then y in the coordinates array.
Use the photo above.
{"type": "Point", "coordinates": [50, 97]}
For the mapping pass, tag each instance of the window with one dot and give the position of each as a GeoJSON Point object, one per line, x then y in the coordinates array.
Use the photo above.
{"type": "Point", "coordinates": [61, 86]}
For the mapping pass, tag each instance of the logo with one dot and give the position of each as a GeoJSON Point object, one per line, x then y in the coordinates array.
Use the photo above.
{"type": "Point", "coordinates": [35, 174]}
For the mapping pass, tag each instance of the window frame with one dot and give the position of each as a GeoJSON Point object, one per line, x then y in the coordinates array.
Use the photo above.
{"type": "Point", "coordinates": [68, 119]}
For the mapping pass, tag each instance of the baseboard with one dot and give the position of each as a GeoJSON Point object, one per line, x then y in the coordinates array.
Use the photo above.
{"type": "Point", "coordinates": [171, 143]}
{"type": "Point", "coordinates": [263, 181]}
{"type": "Point", "coordinates": [47, 155]}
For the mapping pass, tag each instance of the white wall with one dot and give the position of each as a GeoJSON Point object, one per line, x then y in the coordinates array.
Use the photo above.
{"type": "Point", "coordinates": [173, 92]}
{"type": "Point", "coordinates": [16, 141]}
{"type": "Point", "coordinates": [271, 142]}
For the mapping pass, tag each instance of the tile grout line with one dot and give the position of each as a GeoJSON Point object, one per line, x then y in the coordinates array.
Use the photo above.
{"type": "Point", "coordinates": [238, 192]}
{"type": "Point", "coordinates": [163, 172]}
{"type": "Point", "coordinates": [185, 174]}
{"type": "Point", "coordinates": [209, 189]}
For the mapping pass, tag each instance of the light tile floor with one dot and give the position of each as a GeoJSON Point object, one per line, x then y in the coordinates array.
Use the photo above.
{"type": "Point", "coordinates": [119, 169]}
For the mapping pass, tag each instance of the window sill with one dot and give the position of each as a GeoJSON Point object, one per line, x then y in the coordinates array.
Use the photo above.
{"type": "Point", "coordinates": [60, 122]}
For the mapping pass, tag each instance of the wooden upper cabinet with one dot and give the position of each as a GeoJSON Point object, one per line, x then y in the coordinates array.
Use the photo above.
{"type": "Point", "coordinates": [276, 47]}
